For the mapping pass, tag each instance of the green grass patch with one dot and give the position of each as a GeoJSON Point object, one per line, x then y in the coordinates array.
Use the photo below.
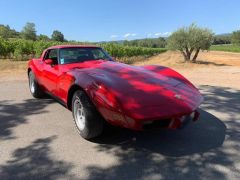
{"type": "Point", "coordinates": [225, 47]}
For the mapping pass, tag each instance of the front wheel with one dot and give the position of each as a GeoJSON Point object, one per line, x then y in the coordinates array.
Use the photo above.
{"type": "Point", "coordinates": [34, 87]}
{"type": "Point", "coordinates": [87, 119]}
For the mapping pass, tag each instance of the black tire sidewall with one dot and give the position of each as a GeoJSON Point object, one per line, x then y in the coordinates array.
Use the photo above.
{"type": "Point", "coordinates": [78, 95]}
{"type": "Point", "coordinates": [38, 93]}
{"type": "Point", "coordinates": [93, 121]}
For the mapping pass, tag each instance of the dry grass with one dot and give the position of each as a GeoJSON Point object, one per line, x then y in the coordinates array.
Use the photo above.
{"type": "Point", "coordinates": [9, 65]}
{"type": "Point", "coordinates": [210, 58]}
{"type": "Point", "coordinates": [12, 70]}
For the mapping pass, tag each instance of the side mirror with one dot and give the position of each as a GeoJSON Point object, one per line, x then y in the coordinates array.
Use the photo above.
{"type": "Point", "coordinates": [48, 61]}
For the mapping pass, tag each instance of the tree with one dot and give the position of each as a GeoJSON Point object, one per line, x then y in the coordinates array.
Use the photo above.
{"type": "Point", "coordinates": [190, 40]}
{"type": "Point", "coordinates": [43, 37]}
{"type": "Point", "coordinates": [57, 36]}
{"type": "Point", "coordinates": [29, 31]}
{"type": "Point", "coordinates": [6, 32]}
{"type": "Point", "coordinates": [236, 37]}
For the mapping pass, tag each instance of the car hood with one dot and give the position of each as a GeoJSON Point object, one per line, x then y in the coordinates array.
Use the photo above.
{"type": "Point", "coordinates": [140, 91]}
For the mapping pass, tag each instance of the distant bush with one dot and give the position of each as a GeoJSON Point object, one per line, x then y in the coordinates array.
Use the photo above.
{"type": "Point", "coordinates": [225, 47]}
{"type": "Point", "coordinates": [23, 49]}
{"type": "Point", "coordinates": [148, 42]}
{"type": "Point", "coordinates": [236, 38]}
{"type": "Point", "coordinates": [222, 39]}
{"type": "Point", "coordinates": [129, 51]}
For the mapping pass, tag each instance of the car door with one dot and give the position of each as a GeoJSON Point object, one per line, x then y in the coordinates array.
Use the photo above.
{"type": "Point", "coordinates": [51, 71]}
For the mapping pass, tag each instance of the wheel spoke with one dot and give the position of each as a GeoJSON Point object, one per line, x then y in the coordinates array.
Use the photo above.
{"type": "Point", "coordinates": [32, 84]}
{"type": "Point", "coordinates": [79, 114]}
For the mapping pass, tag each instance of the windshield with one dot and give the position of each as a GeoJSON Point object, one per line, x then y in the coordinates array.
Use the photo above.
{"type": "Point", "coordinates": [81, 54]}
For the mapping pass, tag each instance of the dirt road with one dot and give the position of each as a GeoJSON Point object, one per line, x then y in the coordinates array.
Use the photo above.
{"type": "Point", "coordinates": [38, 139]}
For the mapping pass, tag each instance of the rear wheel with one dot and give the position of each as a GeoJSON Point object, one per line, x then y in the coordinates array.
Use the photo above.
{"type": "Point", "coordinates": [87, 119]}
{"type": "Point", "coordinates": [34, 87]}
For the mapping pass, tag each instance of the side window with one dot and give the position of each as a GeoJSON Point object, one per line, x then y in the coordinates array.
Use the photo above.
{"type": "Point", "coordinates": [51, 54]}
{"type": "Point", "coordinates": [98, 54]}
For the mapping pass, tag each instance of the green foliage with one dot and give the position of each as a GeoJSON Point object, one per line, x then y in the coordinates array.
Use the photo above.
{"type": "Point", "coordinates": [6, 48]}
{"type": "Point", "coordinates": [3, 47]}
{"type": "Point", "coordinates": [7, 32]}
{"type": "Point", "coordinates": [190, 39]}
{"type": "Point", "coordinates": [148, 42]}
{"type": "Point", "coordinates": [40, 46]}
{"type": "Point", "coordinates": [57, 36]}
{"type": "Point", "coordinates": [222, 39]}
{"type": "Point", "coordinates": [4, 31]}
{"type": "Point", "coordinates": [29, 32]}
{"type": "Point", "coordinates": [43, 37]}
{"type": "Point", "coordinates": [21, 49]}
{"type": "Point", "coordinates": [225, 47]}
{"type": "Point", "coordinates": [121, 51]}
{"type": "Point", "coordinates": [236, 37]}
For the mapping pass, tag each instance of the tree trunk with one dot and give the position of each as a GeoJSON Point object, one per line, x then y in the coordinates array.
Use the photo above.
{"type": "Point", "coordinates": [188, 54]}
{"type": "Point", "coordinates": [191, 50]}
{"type": "Point", "coordinates": [185, 56]}
{"type": "Point", "coordinates": [195, 56]}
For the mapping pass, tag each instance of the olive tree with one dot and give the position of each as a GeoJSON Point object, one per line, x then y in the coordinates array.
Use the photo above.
{"type": "Point", "coordinates": [190, 40]}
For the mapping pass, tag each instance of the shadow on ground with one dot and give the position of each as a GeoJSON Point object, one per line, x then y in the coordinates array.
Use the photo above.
{"type": "Point", "coordinates": [203, 62]}
{"type": "Point", "coordinates": [210, 63]}
{"type": "Point", "coordinates": [35, 162]}
{"type": "Point", "coordinates": [13, 114]}
{"type": "Point", "coordinates": [202, 136]}
{"type": "Point", "coordinates": [205, 149]}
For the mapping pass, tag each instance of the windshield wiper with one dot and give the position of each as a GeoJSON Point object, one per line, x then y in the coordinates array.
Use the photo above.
{"type": "Point", "coordinates": [99, 59]}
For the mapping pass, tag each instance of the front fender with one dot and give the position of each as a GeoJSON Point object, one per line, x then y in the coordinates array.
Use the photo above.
{"type": "Point", "coordinates": [102, 97]}
{"type": "Point", "coordinates": [162, 70]}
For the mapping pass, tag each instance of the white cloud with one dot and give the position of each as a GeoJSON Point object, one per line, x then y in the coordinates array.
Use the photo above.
{"type": "Point", "coordinates": [149, 35]}
{"type": "Point", "coordinates": [167, 33]}
{"type": "Point", "coordinates": [162, 34]}
{"type": "Point", "coordinates": [113, 36]}
{"type": "Point", "coordinates": [129, 35]}
{"type": "Point", "coordinates": [157, 34]}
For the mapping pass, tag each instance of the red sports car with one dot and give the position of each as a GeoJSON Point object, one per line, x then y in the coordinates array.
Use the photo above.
{"type": "Point", "coordinates": [99, 90]}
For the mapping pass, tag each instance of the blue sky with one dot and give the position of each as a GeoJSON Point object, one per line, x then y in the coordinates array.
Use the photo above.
{"type": "Point", "coordinates": [98, 20]}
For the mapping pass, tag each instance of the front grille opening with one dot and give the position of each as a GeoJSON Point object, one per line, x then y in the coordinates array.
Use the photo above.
{"type": "Point", "coordinates": [157, 124]}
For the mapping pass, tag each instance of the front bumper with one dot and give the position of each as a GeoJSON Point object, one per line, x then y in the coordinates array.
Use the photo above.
{"type": "Point", "coordinates": [177, 122]}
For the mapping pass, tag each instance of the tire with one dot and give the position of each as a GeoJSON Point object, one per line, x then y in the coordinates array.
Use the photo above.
{"type": "Point", "coordinates": [87, 119]}
{"type": "Point", "coordinates": [34, 87]}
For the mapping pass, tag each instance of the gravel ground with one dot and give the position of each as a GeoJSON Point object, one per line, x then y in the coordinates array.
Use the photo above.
{"type": "Point", "coordinates": [38, 140]}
